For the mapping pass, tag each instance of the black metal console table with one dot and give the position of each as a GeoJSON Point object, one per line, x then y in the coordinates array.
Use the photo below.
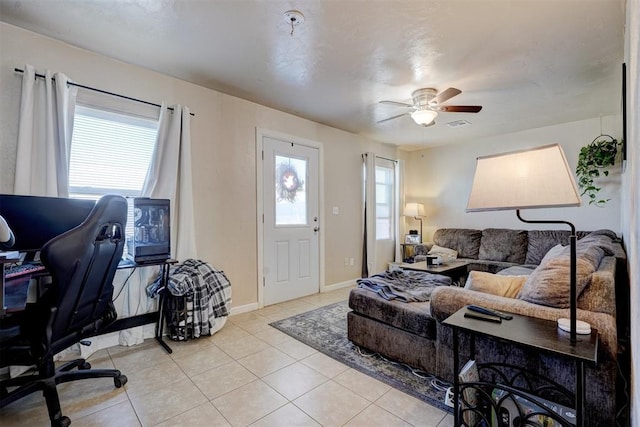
{"type": "Point", "coordinates": [532, 333]}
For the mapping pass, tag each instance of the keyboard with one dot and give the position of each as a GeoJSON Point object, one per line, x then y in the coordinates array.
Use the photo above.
{"type": "Point", "coordinates": [23, 270]}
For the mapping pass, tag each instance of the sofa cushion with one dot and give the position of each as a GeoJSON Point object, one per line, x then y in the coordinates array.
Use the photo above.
{"type": "Point", "coordinates": [601, 239]}
{"type": "Point", "coordinates": [599, 296]}
{"type": "Point", "coordinates": [503, 245]}
{"type": "Point", "coordinates": [549, 283]}
{"type": "Point", "coordinates": [465, 241]}
{"type": "Point", "coordinates": [502, 285]}
{"type": "Point", "coordinates": [540, 241]}
{"type": "Point", "coordinates": [517, 270]}
{"type": "Point", "coordinates": [414, 317]}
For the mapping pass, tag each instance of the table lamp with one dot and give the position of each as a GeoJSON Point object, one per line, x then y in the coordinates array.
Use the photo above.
{"type": "Point", "coordinates": [529, 179]}
{"type": "Point", "coordinates": [416, 210]}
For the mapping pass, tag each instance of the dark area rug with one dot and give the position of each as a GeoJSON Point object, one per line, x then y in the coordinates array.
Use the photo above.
{"type": "Point", "coordinates": [325, 329]}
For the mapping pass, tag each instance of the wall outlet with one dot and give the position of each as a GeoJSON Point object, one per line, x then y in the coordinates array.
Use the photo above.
{"type": "Point", "coordinates": [351, 261]}
{"type": "Point", "coordinates": [448, 398]}
{"type": "Point", "coordinates": [346, 261]}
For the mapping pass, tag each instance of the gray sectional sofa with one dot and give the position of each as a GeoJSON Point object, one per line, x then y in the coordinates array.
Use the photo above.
{"type": "Point", "coordinates": [413, 333]}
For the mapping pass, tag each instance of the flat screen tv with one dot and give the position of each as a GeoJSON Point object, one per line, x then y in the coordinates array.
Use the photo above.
{"type": "Point", "coordinates": [35, 220]}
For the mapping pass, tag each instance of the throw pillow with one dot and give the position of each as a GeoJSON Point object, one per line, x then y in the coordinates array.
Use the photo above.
{"type": "Point", "coordinates": [505, 286]}
{"type": "Point", "coordinates": [549, 283]}
{"type": "Point", "coordinates": [442, 251]}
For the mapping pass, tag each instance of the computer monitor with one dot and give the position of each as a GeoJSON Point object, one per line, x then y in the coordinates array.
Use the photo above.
{"type": "Point", "coordinates": [35, 220]}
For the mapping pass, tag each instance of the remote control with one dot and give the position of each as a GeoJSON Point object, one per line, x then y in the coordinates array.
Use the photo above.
{"type": "Point", "coordinates": [490, 312]}
{"type": "Point", "coordinates": [485, 317]}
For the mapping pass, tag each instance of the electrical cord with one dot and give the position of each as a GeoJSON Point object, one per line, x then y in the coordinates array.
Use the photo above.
{"type": "Point", "coordinates": [125, 283]}
{"type": "Point", "coordinates": [436, 383]}
{"type": "Point", "coordinates": [623, 409]}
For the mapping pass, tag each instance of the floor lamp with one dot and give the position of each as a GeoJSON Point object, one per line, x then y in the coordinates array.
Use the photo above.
{"type": "Point", "coordinates": [529, 179]}
{"type": "Point", "coordinates": [416, 210]}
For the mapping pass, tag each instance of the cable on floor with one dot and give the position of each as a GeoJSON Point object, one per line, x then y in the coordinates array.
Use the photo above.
{"type": "Point", "coordinates": [435, 382]}
{"type": "Point", "coordinates": [621, 414]}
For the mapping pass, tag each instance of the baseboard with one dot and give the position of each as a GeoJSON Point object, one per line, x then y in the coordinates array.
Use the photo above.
{"type": "Point", "coordinates": [335, 286]}
{"type": "Point", "coordinates": [244, 308]}
{"type": "Point", "coordinates": [254, 305]}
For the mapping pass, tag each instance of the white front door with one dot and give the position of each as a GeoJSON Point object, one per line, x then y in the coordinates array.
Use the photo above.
{"type": "Point", "coordinates": [291, 220]}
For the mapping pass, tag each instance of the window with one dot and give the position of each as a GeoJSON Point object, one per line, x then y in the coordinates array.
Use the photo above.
{"type": "Point", "coordinates": [385, 205]}
{"type": "Point", "coordinates": [110, 153]}
{"type": "Point", "coordinates": [291, 194]}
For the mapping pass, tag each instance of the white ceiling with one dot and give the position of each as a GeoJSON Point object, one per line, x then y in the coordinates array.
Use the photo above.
{"type": "Point", "coordinates": [529, 63]}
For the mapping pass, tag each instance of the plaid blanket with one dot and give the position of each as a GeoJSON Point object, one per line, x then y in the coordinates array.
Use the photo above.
{"type": "Point", "coordinates": [404, 286]}
{"type": "Point", "coordinates": [207, 292]}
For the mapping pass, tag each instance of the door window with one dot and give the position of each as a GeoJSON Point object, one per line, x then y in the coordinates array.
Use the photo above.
{"type": "Point", "coordinates": [290, 194]}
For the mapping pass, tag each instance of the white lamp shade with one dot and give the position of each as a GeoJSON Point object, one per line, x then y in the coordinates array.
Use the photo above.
{"type": "Point", "coordinates": [536, 178]}
{"type": "Point", "coordinates": [414, 209]}
{"type": "Point", "coordinates": [424, 117]}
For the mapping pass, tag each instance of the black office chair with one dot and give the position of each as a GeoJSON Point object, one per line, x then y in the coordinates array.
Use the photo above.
{"type": "Point", "coordinates": [76, 305]}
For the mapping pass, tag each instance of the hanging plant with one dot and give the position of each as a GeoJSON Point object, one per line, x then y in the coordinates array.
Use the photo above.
{"type": "Point", "coordinates": [593, 161]}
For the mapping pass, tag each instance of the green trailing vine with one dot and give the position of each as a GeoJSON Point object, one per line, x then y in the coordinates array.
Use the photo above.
{"type": "Point", "coordinates": [593, 161]}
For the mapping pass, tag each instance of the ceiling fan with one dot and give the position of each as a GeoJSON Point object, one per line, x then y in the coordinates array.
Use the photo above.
{"type": "Point", "coordinates": [427, 104]}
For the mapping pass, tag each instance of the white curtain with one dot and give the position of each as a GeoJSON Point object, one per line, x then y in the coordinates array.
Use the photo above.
{"type": "Point", "coordinates": [399, 205]}
{"type": "Point", "coordinates": [631, 218]}
{"type": "Point", "coordinates": [168, 177]}
{"type": "Point", "coordinates": [369, 215]}
{"type": "Point", "coordinates": [44, 134]}
{"type": "Point", "coordinates": [375, 254]}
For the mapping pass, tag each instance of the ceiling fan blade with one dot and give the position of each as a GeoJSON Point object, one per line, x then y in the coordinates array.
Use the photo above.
{"type": "Point", "coordinates": [401, 104]}
{"type": "Point", "coordinates": [445, 95]}
{"type": "Point", "coordinates": [393, 117]}
{"type": "Point", "coordinates": [460, 108]}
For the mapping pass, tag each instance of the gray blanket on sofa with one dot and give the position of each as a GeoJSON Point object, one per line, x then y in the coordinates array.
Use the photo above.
{"type": "Point", "coordinates": [404, 286]}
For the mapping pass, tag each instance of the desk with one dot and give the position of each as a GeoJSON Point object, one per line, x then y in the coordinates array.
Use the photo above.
{"type": "Point", "coordinates": [127, 322]}
{"type": "Point", "coordinates": [532, 333]}
{"type": "Point", "coordinates": [152, 317]}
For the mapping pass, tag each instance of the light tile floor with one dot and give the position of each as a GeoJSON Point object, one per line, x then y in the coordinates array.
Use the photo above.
{"type": "Point", "coordinates": [246, 374]}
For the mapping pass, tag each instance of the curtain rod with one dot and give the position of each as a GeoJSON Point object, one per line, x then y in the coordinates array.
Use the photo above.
{"type": "Point", "coordinates": [18, 70]}
{"type": "Point", "coordinates": [383, 158]}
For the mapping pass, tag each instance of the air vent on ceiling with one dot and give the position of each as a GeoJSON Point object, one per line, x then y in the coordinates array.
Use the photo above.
{"type": "Point", "coordinates": [458, 124]}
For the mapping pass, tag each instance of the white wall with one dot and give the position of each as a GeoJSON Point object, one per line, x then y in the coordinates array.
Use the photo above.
{"type": "Point", "coordinates": [223, 138]}
{"type": "Point", "coordinates": [631, 196]}
{"type": "Point", "coordinates": [441, 178]}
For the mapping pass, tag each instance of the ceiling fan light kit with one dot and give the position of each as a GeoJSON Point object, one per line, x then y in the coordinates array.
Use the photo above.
{"type": "Point", "coordinates": [427, 103]}
{"type": "Point", "coordinates": [424, 117]}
